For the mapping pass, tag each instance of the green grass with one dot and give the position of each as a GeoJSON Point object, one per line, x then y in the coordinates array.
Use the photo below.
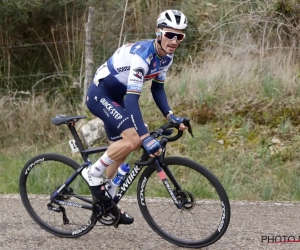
{"type": "Point", "coordinates": [244, 163]}
{"type": "Point", "coordinates": [254, 159]}
{"type": "Point", "coordinates": [10, 168]}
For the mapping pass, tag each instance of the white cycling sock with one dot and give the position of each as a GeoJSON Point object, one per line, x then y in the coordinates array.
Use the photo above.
{"type": "Point", "coordinates": [99, 167]}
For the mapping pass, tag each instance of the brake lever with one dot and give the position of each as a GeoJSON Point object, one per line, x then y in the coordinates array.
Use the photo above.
{"type": "Point", "coordinates": [190, 130]}
{"type": "Point", "coordinates": [186, 122]}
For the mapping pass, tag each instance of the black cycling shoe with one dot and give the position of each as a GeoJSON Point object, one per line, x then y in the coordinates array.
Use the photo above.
{"type": "Point", "coordinates": [125, 218]}
{"type": "Point", "coordinates": [100, 193]}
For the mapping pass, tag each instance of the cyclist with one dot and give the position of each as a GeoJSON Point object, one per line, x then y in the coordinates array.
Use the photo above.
{"type": "Point", "coordinates": [123, 75]}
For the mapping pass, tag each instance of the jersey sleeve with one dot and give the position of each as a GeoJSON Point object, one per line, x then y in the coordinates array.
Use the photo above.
{"type": "Point", "coordinates": [138, 69]}
{"type": "Point", "coordinates": [161, 77]}
{"type": "Point", "coordinates": [158, 91]}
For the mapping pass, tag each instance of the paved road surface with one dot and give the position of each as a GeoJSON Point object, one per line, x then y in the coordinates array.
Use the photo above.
{"type": "Point", "coordinates": [250, 222]}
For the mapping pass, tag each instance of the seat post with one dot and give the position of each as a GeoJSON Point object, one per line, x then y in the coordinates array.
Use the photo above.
{"type": "Point", "coordinates": [71, 126]}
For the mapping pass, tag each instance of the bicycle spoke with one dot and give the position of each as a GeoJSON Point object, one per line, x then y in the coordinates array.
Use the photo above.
{"type": "Point", "coordinates": [199, 220]}
{"type": "Point", "coordinates": [37, 186]}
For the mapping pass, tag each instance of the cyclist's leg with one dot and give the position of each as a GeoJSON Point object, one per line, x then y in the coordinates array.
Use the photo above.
{"type": "Point", "coordinates": [113, 136]}
{"type": "Point", "coordinates": [112, 169]}
{"type": "Point", "coordinates": [120, 149]}
{"type": "Point", "coordinates": [115, 140]}
{"type": "Point", "coordinates": [110, 109]}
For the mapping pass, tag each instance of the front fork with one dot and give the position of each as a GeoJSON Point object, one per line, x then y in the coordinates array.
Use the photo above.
{"type": "Point", "coordinates": [163, 173]}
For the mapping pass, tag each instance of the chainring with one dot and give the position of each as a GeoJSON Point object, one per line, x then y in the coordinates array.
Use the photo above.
{"type": "Point", "coordinates": [108, 213]}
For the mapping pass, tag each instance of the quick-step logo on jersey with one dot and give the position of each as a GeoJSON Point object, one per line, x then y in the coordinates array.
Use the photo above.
{"type": "Point", "coordinates": [110, 109]}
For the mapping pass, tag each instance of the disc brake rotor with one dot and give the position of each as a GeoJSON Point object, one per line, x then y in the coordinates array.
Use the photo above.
{"type": "Point", "coordinates": [186, 199]}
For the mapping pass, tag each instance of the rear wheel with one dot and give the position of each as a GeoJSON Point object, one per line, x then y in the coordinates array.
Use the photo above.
{"type": "Point", "coordinates": [205, 213]}
{"type": "Point", "coordinates": [43, 175]}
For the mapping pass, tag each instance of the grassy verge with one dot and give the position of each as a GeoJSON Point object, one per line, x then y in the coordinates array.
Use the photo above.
{"type": "Point", "coordinates": [245, 116]}
{"type": "Point", "coordinates": [252, 167]}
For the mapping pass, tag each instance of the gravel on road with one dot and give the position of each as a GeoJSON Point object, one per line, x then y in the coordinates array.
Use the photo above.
{"type": "Point", "coordinates": [254, 225]}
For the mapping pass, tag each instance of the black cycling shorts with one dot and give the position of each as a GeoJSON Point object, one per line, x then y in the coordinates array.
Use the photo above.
{"type": "Point", "coordinates": [109, 107]}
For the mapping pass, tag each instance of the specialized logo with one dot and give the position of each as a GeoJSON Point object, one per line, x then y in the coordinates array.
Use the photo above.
{"type": "Point", "coordinates": [139, 73]}
{"type": "Point", "coordinates": [128, 181]}
{"type": "Point", "coordinates": [170, 191]}
{"type": "Point", "coordinates": [71, 204]}
{"type": "Point", "coordinates": [110, 109]}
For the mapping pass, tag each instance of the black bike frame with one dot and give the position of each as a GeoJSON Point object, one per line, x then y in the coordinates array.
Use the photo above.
{"type": "Point", "coordinates": [127, 182]}
{"type": "Point", "coordinates": [123, 188]}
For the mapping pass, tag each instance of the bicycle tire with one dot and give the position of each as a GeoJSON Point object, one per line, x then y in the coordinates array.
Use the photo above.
{"type": "Point", "coordinates": [39, 178]}
{"type": "Point", "coordinates": [202, 224]}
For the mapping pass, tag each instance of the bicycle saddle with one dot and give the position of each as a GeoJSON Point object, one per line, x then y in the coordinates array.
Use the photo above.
{"type": "Point", "coordinates": [62, 119]}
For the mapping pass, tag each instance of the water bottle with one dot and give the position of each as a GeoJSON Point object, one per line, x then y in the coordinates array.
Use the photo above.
{"type": "Point", "coordinates": [123, 170]}
{"type": "Point", "coordinates": [117, 181]}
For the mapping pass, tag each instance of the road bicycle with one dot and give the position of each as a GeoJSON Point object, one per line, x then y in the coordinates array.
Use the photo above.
{"type": "Point", "coordinates": [180, 199]}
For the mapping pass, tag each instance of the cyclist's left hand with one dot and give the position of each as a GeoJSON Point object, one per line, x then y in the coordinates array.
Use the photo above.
{"type": "Point", "coordinates": [177, 119]}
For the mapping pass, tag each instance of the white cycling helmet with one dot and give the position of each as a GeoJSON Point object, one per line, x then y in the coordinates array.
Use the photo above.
{"type": "Point", "coordinates": [172, 19]}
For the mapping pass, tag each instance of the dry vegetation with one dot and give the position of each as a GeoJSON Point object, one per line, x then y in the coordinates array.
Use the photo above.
{"type": "Point", "coordinates": [237, 77]}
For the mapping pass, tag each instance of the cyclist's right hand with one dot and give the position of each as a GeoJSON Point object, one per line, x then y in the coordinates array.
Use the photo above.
{"type": "Point", "coordinates": [152, 146]}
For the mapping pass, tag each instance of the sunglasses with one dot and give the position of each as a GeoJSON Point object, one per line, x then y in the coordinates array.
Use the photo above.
{"type": "Point", "coordinates": [171, 35]}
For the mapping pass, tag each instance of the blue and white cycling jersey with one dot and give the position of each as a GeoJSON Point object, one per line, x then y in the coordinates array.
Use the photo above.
{"type": "Point", "coordinates": [125, 72]}
{"type": "Point", "coordinates": [133, 64]}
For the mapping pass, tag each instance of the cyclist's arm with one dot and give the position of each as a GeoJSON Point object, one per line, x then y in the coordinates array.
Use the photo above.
{"type": "Point", "coordinates": [158, 91]}
{"type": "Point", "coordinates": [138, 69]}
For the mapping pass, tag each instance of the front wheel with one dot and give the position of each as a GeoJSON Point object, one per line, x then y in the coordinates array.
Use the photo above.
{"type": "Point", "coordinates": [205, 213]}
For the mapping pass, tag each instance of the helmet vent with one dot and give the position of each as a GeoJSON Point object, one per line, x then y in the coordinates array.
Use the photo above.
{"type": "Point", "coordinates": [168, 17]}
{"type": "Point", "coordinates": [177, 19]}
